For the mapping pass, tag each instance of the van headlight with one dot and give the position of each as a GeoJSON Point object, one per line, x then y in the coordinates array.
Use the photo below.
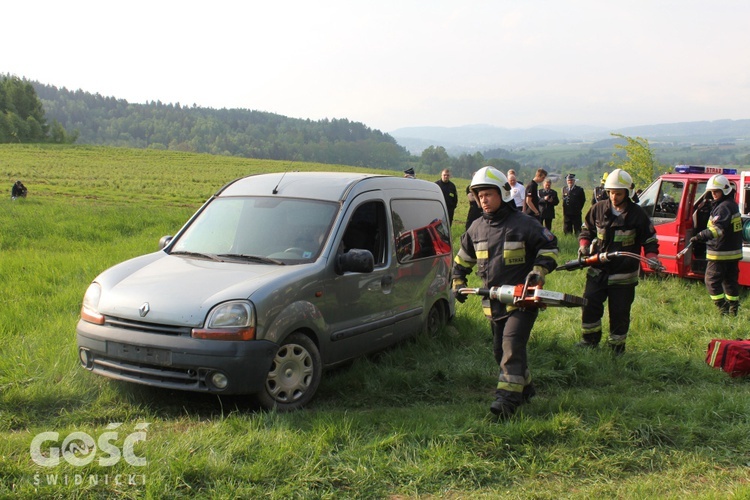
{"type": "Point", "coordinates": [233, 320]}
{"type": "Point", "coordinates": [90, 307]}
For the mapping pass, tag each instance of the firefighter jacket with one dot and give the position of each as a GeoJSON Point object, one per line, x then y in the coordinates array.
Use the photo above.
{"type": "Point", "coordinates": [626, 232]}
{"type": "Point", "coordinates": [724, 232]}
{"type": "Point", "coordinates": [504, 246]}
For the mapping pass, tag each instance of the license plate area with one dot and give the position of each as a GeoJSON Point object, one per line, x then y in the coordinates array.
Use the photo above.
{"type": "Point", "coordinates": [149, 355]}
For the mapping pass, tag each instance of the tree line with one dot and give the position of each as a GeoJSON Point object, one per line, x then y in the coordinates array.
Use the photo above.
{"type": "Point", "coordinates": [233, 132]}
{"type": "Point", "coordinates": [95, 119]}
{"type": "Point", "coordinates": [22, 116]}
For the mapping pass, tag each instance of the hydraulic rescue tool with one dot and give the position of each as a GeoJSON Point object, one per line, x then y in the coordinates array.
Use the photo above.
{"type": "Point", "coordinates": [604, 257]}
{"type": "Point", "coordinates": [526, 296]}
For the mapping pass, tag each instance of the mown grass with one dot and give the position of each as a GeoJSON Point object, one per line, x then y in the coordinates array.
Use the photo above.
{"type": "Point", "coordinates": [411, 422]}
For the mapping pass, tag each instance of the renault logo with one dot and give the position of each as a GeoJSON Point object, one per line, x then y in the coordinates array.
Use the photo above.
{"type": "Point", "coordinates": [144, 309]}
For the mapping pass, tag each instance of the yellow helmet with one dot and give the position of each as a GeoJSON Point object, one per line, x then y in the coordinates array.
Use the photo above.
{"type": "Point", "coordinates": [491, 177]}
{"type": "Point", "coordinates": [604, 177]}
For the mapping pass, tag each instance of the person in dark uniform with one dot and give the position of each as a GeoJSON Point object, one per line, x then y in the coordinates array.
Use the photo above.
{"type": "Point", "coordinates": [548, 200]}
{"type": "Point", "coordinates": [474, 211]}
{"type": "Point", "coordinates": [506, 247]}
{"type": "Point", "coordinates": [600, 194]}
{"type": "Point", "coordinates": [449, 192]}
{"type": "Point", "coordinates": [573, 201]}
{"type": "Point", "coordinates": [614, 225]}
{"type": "Point", "coordinates": [723, 238]}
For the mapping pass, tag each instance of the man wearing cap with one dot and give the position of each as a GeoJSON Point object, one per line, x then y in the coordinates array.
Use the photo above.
{"type": "Point", "coordinates": [573, 201]}
{"type": "Point", "coordinates": [409, 173]}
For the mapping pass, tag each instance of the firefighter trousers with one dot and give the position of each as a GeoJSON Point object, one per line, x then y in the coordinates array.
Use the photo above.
{"type": "Point", "coordinates": [721, 279]}
{"type": "Point", "coordinates": [621, 299]}
{"type": "Point", "coordinates": [510, 336]}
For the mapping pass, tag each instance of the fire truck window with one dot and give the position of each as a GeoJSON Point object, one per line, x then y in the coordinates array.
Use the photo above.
{"type": "Point", "coordinates": [420, 229]}
{"type": "Point", "coordinates": [669, 200]}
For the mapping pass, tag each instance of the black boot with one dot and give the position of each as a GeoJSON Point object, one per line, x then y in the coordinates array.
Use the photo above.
{"type": "Point", "coordinates": [733, 307]}
{"type": "Point", "coordinates": [506, 403]}
{"type": "Point", "coordinates": [529, 391]}
{"type": "Point", "coordinates": [590, 340]}
{"type": "Point", "coordinates": [502, 408]}
{"type": "Point", "coordinates": [618, 349]}
{"type": "Point", "coordinates": [723, 306]}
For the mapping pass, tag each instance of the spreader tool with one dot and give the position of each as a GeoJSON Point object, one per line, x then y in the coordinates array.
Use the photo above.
{"type": "Point", "coordinates": [525, 296]}
{"type": "Point", "coordinates": [601, 258]}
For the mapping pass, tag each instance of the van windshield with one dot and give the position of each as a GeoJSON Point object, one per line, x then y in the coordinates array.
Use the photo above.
{"type": "Point", "coordinates": [256, 229]}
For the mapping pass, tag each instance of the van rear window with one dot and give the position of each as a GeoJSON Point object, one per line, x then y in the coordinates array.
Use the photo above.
{"type": "Point", "coordinates": [420, 229]}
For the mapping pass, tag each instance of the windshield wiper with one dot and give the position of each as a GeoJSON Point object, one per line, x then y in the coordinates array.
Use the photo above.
{"type": "Point", "coordinates": [252, 258]}
{"type": "Point", "coordinates": [198, 254]}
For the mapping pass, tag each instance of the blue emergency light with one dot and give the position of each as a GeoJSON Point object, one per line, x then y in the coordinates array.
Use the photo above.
{"type": "Point", "coordinates": [699, 169]}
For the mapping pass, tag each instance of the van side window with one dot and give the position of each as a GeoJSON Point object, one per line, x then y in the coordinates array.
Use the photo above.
{"type": "Point", "coordinates": [420, 229]}
{"type": "Point", "coordinates": [367, 230]}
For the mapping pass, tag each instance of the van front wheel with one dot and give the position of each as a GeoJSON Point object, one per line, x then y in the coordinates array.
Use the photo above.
{"type": "Point", "coordinates": [294, 375]}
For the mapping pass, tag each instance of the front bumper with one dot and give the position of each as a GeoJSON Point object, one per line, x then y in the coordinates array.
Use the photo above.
{"type": "Point", "coordinates": [174, 361]}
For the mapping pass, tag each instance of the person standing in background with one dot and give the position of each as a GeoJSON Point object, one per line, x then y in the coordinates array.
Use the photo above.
{"type": "Point", "coordinates": [449, 192]}
{"type": "Point", "coordinates": [531, 199]}
{"type": "Point", "coordinates": [474, 211]}
{"type": "Point", "coordinates": [548, 200]}
{"type": "Point", "coordinates": [573, 201]}
{"type": "Point", "coordinates": [517, 191]}
{"type": "Point", "coordinates": [600, 194]}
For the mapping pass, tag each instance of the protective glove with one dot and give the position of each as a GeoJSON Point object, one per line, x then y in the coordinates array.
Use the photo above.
{"type": "Point", "coordinates": [697, 239]}
{"type": "Point", "coordinates": [535, 277]}
{"type": "Point", "coordinates": [584, 250]}
{"type": "Point", "coordinates": [457, 285]}
{"type": "Point", "coordinates": [653, 262]}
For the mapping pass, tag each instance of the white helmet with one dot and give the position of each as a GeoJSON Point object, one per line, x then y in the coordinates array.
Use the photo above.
{"type": "Point", "coordinates": [719, 182]}
{"type": "Point", "coordinates": [619, 179]}
{"type": "Point", "coordinates": [491, 177]}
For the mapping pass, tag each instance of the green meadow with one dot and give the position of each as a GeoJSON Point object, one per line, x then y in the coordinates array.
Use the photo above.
{"type": "Point", "coordinates": [410, 422]}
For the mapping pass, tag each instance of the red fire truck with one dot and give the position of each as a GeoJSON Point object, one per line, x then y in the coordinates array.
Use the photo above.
{"type": "Point", "coordinates": [679, 208]}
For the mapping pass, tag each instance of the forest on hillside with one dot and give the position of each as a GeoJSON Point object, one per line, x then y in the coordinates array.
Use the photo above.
{"type": "Point", "coordinates": [235, 132]}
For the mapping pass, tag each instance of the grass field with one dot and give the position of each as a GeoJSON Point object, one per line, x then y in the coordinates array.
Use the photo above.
{"type": "Point", "coordinates": [411, 422]}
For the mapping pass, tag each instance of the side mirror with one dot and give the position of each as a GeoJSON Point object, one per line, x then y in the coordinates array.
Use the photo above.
{"type": "Point", "coordinates": [164, 241]}
{"type": "Point", "coordinates": [355, 260]}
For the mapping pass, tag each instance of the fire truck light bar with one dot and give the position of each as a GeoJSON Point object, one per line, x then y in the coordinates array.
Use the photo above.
{"type": "Point", "coordinates": [698, 169]}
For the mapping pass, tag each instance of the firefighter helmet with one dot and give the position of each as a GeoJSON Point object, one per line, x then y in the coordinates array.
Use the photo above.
{"type": "Point", "coordinates": [719, 182]}
{"type": "Point", "coordinates": [619, 179]}
{"type": "Point", "coordinates": [604, 177]}
{"type": "Point", "coordinates": [491, 177]}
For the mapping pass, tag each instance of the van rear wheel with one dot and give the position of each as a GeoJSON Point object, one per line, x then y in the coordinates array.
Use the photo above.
{"type": "Point", "coordinates": [294, 375]}
{"type": "Point", "coordinates": [435, 320]}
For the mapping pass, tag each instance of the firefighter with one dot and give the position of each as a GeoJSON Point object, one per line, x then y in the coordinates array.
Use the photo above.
{"type": "Point", "coordinates": [723, 238]}
{"type": "Point", "coordinates": [507, 247]}
{"type": "Point", "coordinates": [614, 225]}
{"type": "Point", "coordinates": [600, 194]}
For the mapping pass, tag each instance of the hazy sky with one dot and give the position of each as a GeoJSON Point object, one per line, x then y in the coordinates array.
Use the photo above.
{"type": "Point", "coordinates": [399, 63]}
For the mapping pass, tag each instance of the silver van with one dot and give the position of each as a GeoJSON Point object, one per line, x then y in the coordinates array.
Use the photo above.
{"type": "Point", "coordinates": [275, 278]}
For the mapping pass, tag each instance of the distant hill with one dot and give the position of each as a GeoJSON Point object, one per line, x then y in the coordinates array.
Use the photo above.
{"type": "Point", "coordinates": [470, 138]}
{"type": "Point", "coordinates": [234, 132]}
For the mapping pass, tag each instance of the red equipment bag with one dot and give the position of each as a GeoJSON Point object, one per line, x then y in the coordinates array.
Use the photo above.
{"type": "Point", "coordinates": [732, 356]}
